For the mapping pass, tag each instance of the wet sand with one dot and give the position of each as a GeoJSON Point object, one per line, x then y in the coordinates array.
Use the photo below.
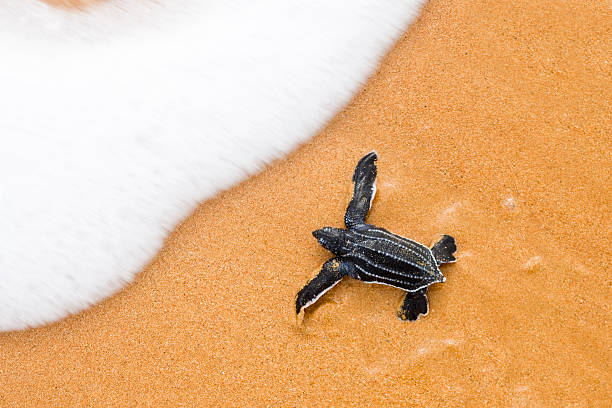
{"type": "Point", "coordinates": [492, 123]}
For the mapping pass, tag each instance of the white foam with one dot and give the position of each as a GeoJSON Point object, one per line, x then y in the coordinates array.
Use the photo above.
{"type": "Point", "coordinates": [116, 122]}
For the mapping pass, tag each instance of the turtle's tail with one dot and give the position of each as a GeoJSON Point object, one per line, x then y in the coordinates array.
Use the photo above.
{"type": "Point", "coordinates": [444, 249]}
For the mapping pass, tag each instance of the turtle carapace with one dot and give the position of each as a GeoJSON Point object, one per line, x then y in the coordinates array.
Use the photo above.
{"type": "Point", "coordinates": [375, 255]}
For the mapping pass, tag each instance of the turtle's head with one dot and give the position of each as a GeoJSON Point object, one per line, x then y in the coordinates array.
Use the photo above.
{"type": "Point", "coordinates": [332, 239]}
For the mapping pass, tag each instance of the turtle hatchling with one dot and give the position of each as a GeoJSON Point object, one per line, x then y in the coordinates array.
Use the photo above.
{"type": "Point", "coordinates": [375, 255]}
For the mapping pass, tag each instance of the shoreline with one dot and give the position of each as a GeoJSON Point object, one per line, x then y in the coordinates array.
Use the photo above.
{"type": "Point", "coordinates": [492, 125]}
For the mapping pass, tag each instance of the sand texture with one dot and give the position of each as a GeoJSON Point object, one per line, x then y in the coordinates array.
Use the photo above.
{"type": "Point", "coordinates": [492, 121]}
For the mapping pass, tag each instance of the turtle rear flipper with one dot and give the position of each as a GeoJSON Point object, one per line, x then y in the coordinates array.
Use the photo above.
{"type": "Point", "coordinates": [444, 249]}
{"type": "Point", "coordinates": [414, 305]}
{"type": "Point", "coordinates": [364, 179]}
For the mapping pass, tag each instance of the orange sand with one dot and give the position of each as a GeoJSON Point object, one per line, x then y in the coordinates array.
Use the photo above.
{"type": "Point", "coordinates": [493, 124]}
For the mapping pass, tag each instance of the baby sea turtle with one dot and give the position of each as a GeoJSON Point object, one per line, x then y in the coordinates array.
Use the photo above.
{"type": "Point", "coordinates": [375, 255]}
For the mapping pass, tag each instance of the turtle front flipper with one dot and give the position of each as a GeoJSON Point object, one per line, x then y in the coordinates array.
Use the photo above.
{"type": "Point", "coordinates": [415, 304]}
{"type": "Point", "coordinates": [331, 273]}
{"type": "Point", "coordinates": [364, 179]}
